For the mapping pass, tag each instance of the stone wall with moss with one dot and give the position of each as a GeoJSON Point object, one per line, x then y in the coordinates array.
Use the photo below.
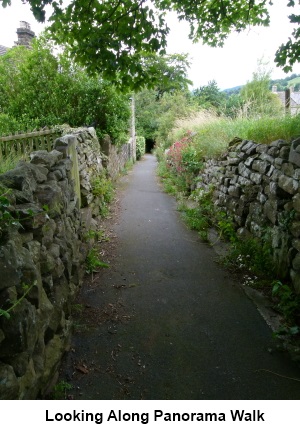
{"type": "Point", "coordinates": [257, 186]}
{"type": "Point", "coordinates": [42, 257]}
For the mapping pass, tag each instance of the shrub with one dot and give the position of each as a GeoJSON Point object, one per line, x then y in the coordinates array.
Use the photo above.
{"type": "Point", "coordinates": [140, 147]}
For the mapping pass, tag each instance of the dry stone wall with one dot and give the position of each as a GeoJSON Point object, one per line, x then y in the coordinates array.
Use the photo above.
{"type": "Point", "coordinates": [258, 187]}
{"type": "Point", "coordinates": [42, 258]}
{"type": "Point", "coordinates": [116, 157]}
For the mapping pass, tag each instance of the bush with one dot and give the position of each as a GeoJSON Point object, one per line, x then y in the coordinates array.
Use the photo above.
{"type": "Point", "coordinates": [38, 89]}
{"type": "Point", "coordinates": [140, 147]}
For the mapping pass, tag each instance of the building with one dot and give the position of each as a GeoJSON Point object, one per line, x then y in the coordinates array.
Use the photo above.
{"type": "Point", "coordinates": [25, 36]}
{"type": "Point", "coordinates": [3, 49]}
{"type": "Point", "coordinates": [289, 98]}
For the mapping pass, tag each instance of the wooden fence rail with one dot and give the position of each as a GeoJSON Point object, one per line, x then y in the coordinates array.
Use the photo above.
{"type": "Point", "coordinates": [22, 144]}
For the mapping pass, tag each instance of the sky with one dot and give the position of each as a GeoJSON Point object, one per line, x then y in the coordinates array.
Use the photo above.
{"type": "Point", "coordinates": [229, 66]}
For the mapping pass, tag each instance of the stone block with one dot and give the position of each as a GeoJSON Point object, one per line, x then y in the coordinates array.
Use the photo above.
{"type": "Point", "coordinates": [295, 228]}
{"type": "Point", "coordinates": [250, 147]}
{"type": "Point", "coordinates": [284, 152]}
{"type": "Point", "coordinates": [266, 157]}
{"type": "Point", "coordinates": [261, 166]}
{"type": "Point", "coordinates": [50, 195]}
{"type": "Point", "coordinates": [278, 162]}
{"type": "Point", "coordinates": [296, 244]}
{"type": "Point", "coordinates": [270, 171]}
{"type": "Point", "coordinates": [296, 263]}
{"type": "Point", "coordinates": [262, 198]}
{"type": "Point", "coordinates": [256, 178]}
{"type": "Point", "coordinates": [271, 210]}
{"type": "Point", "coordinates": [9, 385]}
{"type": "Point", "coordinates": [249, 161]}
{"type": "Point", "coordinates": [20, 330]}
{"type": "Point", "coordinates": [244, 171]}
{"type": "Point", "coordinates": [234, 191]}
{"type": "Point", "coordinates": [244, 181]}
{"type": "Point", "coordinates": [279, 143]}
{"type": "Point", "coordinates": [296, 202]}
{"type": "Point", "coordinates": [296, 174]}
{"type": "Point", "coordinates": [276, 174]}
{"type": "Point", "coordinates": [262, 148]}
{"type": "Point", "coordinates": [10, 267]}
{"type": "Point", "coordinates": [274, 191]}
{"type": "Point", "coordinates": [273, 151]}
{"type": "Point", "coordinates": [45, 158]}
{"type": "Point", "coordinates": [288, 184]}
{"type": "Point", "coordinates": [295, 277]}
{"type": "Point", "coordinates": [288, 169]}
{"type": "Point", "coordinates": [294, 155]}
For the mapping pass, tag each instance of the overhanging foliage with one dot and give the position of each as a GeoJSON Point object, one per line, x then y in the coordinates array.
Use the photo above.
{"type": "Point", "coordinates": [113, 37]}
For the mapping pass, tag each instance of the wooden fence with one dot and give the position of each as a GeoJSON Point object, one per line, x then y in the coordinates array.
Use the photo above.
{"type": "Point", "coordinates": [22, 144]}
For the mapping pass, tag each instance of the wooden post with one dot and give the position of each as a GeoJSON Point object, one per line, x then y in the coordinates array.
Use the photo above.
{"type": "Point", "coordinates": [287, 98]}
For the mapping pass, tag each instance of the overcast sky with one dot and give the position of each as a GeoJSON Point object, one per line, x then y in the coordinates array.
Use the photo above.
{"type": "Point", "coordinates": [230, 66]}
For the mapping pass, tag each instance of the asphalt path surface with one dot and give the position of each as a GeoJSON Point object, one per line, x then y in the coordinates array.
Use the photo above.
{"type": "Point", "coordinates": [166, 321]}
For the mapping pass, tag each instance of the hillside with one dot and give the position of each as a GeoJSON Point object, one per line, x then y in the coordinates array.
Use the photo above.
{"type": "Point", "coordinates": [282, 84]}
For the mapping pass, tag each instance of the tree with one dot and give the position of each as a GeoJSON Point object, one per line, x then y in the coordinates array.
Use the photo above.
{"type": "Point", "coordinates": [168, 73]}
{"type": "Point", "coordinates": [38, 88]}
{"type": "Point", "coordinates": [257, 99]}
{"type": "Point", "coordinates": [289, 53]}
{"type": "Point", "coordinates": [170, 82]}
{"type": "Point", "coordinates": [113, 36]}
{"type": "Point", "coordinates": [209, 96]}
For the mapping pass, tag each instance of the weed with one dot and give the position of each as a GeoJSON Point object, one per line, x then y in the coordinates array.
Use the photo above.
{"type": "Point", "coordinates": [196, 219]}
{"type": "Point", "coordinates": [99, 236]}
{"type": "Point", "coordinates": [60, 390]}
{"type": "Point", "coordinates": [78, 308]}
{"type": "Point", "coordinates": [103, 187]}
{"type": "Point", "coordinates": [288, 303]}
{"type": "Point", "coordinates": [128, 166]}
{"type": "Point", "coordinates": [226, 227]}
{"type": "Point", "coordinates": [93, 263]}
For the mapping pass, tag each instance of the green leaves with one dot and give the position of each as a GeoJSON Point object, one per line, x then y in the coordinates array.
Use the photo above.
{"type": "Point", "coordinates": [40, 89]}
{"type": "Point", "coordinates": [112, 37]}
{"type": "Point", "coordinates": [287, 303]}
{"type": "Point", "coordinates": [5, 314]}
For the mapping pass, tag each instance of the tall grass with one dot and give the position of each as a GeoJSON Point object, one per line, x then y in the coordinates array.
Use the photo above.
{"type": "Point", "coordinates": [212, 134]}
{"type": "Point", "coordinates": [9, 162]}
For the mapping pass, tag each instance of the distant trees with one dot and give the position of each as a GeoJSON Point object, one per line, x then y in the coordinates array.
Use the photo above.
{"type": "Point", "coordinates": [209, 96]}
{"type": "Point", "coordinates": [282, 84]}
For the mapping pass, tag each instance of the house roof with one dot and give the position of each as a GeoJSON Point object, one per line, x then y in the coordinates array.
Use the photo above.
{"type": "Point", "coordinates": [3, 49]}
{"type": "Point", "coordinates": [296, 97]}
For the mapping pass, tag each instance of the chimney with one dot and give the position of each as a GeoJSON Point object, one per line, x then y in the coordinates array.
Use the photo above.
{"type": "Point", "coordinates": [274, 89]}
{"type": "Point", "coordinates": [25, 35]}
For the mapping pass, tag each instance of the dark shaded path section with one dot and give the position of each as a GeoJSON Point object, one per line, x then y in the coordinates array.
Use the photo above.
{"type": "Point", "coordinates": [171, 323]}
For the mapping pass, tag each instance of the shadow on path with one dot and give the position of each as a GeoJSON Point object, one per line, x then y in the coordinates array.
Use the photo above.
{"type": "Point", "coordinates": [166, 321]}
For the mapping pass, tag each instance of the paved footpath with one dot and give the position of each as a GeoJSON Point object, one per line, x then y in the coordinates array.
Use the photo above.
{"type": "Point", "coordinates": [168, 322]}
